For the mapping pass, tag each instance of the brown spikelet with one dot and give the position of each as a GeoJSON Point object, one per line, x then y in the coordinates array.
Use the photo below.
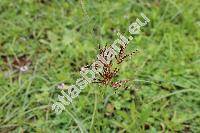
{"type": "Point", "coordinates": [108, 73]}
{"type": "Point", "coordinates": [122, 54]}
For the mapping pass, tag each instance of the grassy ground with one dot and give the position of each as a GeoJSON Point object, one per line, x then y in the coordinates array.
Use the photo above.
{"type": "Point", "coordinates": [60, 37]}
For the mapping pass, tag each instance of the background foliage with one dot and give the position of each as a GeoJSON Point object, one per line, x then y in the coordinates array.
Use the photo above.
{"type": "Point", "coordinates": [61, 36]}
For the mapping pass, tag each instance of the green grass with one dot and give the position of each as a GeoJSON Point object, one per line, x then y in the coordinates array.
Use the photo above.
{"type": "Point", "coordinates": [60, 37]}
